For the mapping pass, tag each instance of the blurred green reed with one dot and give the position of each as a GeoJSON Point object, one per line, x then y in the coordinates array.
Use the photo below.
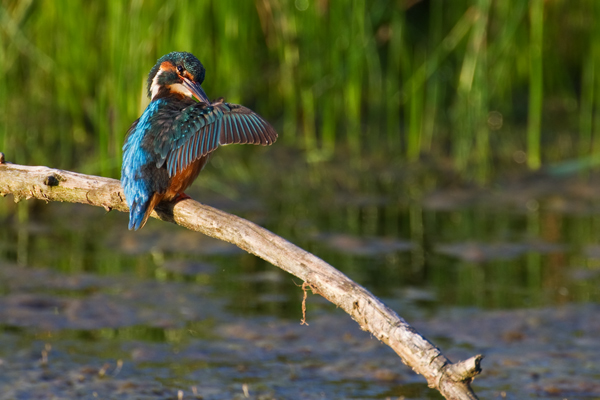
{"type": "Point", "coordinates": [471, 81]}
{"type": "Point", "coordinates": [536, 17]}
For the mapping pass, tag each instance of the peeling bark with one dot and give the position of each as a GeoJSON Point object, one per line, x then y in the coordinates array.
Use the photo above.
{"type": "Point", "coordinates": [452, 380]}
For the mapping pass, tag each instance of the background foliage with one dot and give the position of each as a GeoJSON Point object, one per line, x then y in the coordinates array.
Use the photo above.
{"type": "Point", "coordinates": [483, 84]}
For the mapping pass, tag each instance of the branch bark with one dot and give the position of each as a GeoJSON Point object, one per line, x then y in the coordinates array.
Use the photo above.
{"type": "Point", "coordinates": [452, 380]}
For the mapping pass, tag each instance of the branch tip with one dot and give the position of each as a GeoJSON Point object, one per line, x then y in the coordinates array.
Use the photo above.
{"type": "Point", "coordinates": [465, 371]}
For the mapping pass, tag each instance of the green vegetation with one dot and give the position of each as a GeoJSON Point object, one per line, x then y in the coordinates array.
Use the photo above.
{"type": "Point", "coordinates": [478, 82]}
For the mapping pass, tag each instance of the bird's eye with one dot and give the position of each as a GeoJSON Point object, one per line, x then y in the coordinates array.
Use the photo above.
{"type": "Point", "coordinates": [180, 69]}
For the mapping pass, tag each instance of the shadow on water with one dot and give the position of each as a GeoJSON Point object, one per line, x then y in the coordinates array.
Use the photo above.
{"type": "Point", "coordinates": [88, 308]}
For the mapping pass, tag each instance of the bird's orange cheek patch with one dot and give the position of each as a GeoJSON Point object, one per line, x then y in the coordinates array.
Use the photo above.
{"type": "Point", "coordinates": [167, 66]}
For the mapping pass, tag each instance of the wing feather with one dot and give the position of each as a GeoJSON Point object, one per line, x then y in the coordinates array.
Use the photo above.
{"type": "Point", "coordinates": [217, 131]}
{"type": "Point", "coordinates": [200, 128]}
{"type": "Point", "coordinates": [258, 128]}
{"type": "Point", "coordinates": [238, 135]}
{"type": "Point", "coordinates": [240, 129]}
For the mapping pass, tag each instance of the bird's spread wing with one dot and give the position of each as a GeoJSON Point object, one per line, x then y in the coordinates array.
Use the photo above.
{"type": "Point", "coordinates": [199, 129]}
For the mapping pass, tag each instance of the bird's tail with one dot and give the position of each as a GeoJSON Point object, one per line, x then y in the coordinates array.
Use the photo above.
{"type": "Point", "coordinates": [140, 211]}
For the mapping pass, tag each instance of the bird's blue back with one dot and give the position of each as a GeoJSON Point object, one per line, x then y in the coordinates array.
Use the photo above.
{"type": "Point", "coordinates": [138, 188]}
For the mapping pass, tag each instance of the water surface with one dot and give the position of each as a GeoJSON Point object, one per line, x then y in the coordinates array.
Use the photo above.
{"type": "Point", "coordinates": [89, 309]}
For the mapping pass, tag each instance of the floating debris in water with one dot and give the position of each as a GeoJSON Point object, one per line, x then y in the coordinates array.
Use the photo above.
{"type": "Point", "coordinates": [363, 246]}
{"type": "Point", "coordinates": [481, 252]}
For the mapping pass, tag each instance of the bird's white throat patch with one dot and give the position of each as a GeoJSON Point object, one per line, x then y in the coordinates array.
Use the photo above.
{"type": "Point", "coordinates": [155, 87]}
{"type": "Point", "coordinates": [179, 88]}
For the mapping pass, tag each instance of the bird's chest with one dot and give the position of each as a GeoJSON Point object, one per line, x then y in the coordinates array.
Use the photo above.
{"type": "Point", "coordinates": [184, 178]}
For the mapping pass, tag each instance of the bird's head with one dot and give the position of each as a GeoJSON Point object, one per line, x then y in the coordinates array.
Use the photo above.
{"type": "Point", "coordinates": [177, 73]}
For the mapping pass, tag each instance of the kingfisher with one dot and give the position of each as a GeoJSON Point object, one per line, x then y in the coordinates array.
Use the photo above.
{"type": "Point", "coordinates": [168, 145]}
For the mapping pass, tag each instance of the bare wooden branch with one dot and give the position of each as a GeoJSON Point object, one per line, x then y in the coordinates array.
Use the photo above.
{"type": "Point", "coordinates": [452, 380]}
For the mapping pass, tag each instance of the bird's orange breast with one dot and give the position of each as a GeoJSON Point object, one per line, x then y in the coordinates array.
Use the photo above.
{"type": "Point", "coordinates": [184, 178]}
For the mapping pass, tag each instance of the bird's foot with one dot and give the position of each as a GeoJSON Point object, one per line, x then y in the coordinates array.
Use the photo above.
{"type": "Point", "coordinates": [181, 196]}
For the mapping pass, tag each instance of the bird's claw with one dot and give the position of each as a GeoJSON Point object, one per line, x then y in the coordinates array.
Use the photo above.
{"type": "Point", "coordinates": [181, 196]}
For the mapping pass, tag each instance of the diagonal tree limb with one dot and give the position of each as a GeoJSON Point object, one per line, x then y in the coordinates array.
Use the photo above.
{"type": "Point", "coordinates": [452, 380]}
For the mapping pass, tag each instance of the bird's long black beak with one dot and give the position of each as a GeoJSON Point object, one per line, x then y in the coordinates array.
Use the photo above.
{"type": "Point", "coordinates": [196, 90]}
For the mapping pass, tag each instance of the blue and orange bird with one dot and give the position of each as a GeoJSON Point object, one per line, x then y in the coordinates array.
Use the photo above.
{"type": "Point", "coordinates": [167, 147]}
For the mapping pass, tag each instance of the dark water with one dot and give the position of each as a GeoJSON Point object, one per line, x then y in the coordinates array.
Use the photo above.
{"type": "Point", "coordinates": [90, 310]}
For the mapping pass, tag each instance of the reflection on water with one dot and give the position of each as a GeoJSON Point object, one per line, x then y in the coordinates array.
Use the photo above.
{"type": "Point", "coordinates": [196, 314]}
